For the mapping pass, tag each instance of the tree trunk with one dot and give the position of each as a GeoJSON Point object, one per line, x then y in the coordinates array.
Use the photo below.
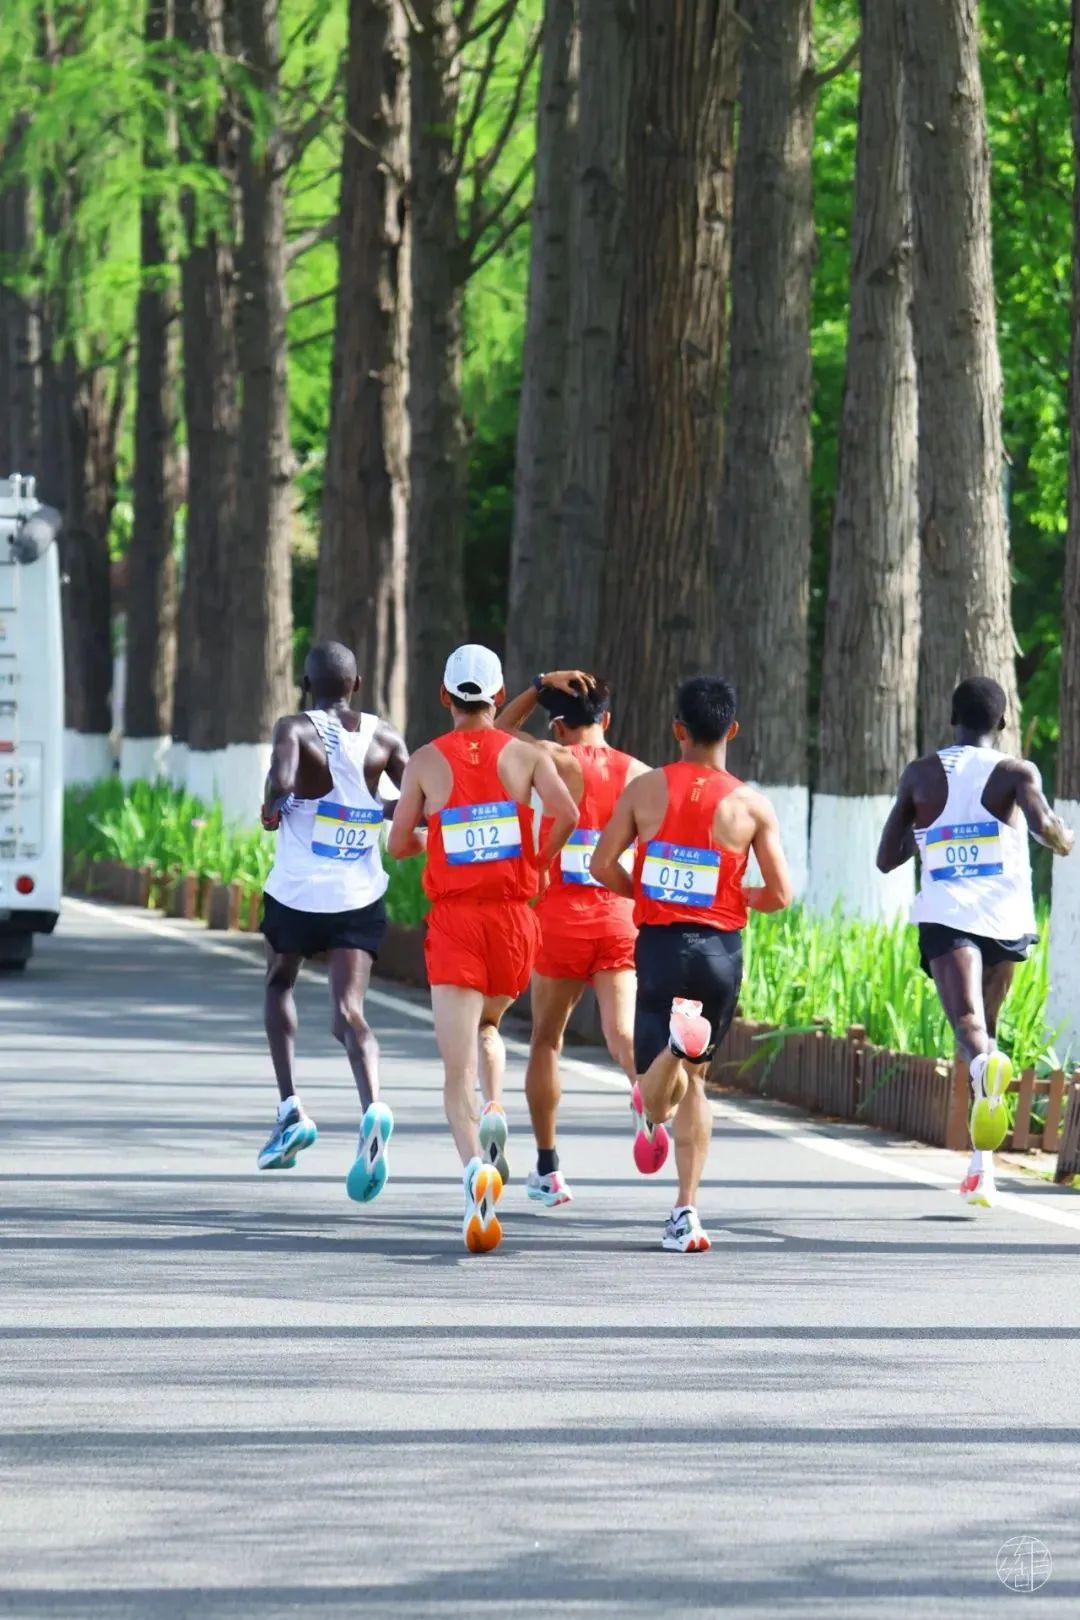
{"type": "Point", "coordinates": [869, 693]}
{"type": "Point", "coordinates": [1063, 1006]}
{"type": "Point", "coordinates": [152, 586]}
{"type": "Point", "coordinates": [20, 331]}
{"type": "Point", "coordinates": [361, 594]}
{"type": "Point", "coordinates": [659, 620]}
{"type": "Point", "coordinates": [261, 684]}
{"type": "Point", "coordinates": [436, 538]}
{"type": "Point", "coordinates": [764, 573]}
{"type": "Point", "coordinates": [211, 392]}
{"type": "Point", "coordinates": [536, 606]}
{"type": "Point", "coordinates": [966, 623]}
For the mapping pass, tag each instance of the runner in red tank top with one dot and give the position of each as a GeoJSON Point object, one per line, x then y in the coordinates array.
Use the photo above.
{"type": "Point", "coordinates": [474, 787]}
{"type": "Point", "coordinates": [588, 933]}
{"type": "Point", "coordinates": [695, 826]}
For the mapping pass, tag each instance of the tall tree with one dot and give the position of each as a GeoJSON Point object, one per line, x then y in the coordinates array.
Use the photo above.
{"type": "Point", "coordinates": [211, 393]}
{"type": "Point", "coordinates": [461, 216]}
{"type": "Point", "coordinates": [1063, 1005]}
{"type": "Point", "coordinates": [362, 554]}
{"type": "Point", "coordinates": [667, 453]}
{"type": "Point", "coordinates": [764, 563]}
{"type": "Point", "coordinates": [869, 691]}
{"type": "Point", "coordinates": [966, 619]}
{"type": "Point", "coordinates": [152, 582]}
{"type": "Point", "coordinates": [535, 605]}
{"type": "Point", "coordinates": [20, 326]}
{"type": "Point", "coordinates": [260, 685]}
{"type": "Point", "coordinates": [600, 258]}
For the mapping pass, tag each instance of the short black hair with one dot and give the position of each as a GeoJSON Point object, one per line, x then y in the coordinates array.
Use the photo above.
{"type": "Point", "coordinates": [330, 670]}
{"type": "Point", "coordinates": [706, 705]}
{"type": "Point", "coordinates": [979, 704]}
{"type": "Point", "coordinates": [580, 708]}
{"type": "Point", "coordinates": [469, 705]}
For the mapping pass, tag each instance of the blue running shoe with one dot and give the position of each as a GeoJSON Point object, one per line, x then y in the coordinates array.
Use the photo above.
{"type": "Point", "coordinates": [291, 1135]}
{"type": "Point", "coordinates": [367, 1178]}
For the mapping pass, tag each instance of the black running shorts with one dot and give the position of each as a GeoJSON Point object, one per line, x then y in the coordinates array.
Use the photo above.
{"type": "Point", "coordinates": [938, 939]}
{"type": "Point", "coordinates": [682, 959]}
{"type": "Point", "coordinates": [309, 933]}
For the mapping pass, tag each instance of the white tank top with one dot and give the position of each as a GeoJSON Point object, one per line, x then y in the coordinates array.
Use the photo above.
{"type": "Point", "coordinates": [976, 870]}
{"type": "Point", "coordinates": [329, 851]}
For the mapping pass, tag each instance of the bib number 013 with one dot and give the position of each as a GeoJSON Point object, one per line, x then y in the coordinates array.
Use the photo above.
{"type": "Point", "coordinates": [680, 875]}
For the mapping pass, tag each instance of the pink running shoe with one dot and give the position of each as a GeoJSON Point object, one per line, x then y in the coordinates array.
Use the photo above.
{"type": "Point", "coordinates": [651, 1142]}
{"type": "Point", "coordinates": [690, 1033]}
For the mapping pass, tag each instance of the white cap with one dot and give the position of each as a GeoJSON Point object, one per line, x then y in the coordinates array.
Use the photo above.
{"type": "Point", "coordinates": [473, 672]}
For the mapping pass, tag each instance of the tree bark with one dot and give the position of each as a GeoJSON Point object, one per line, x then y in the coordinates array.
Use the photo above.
{"type": "Point", "coordinates": [20, 328]}
{"type": "Point", "coordinates": [261, 685]}
{"type": "Point", "coordinates": [436, 537]}
{"type": "Point", "coordinates": [869, 696]}
{"type": "Point", "coordinates": [764, 564]}
{"type": "Point", "coordinates": [659, 619]}
{"type": "Point", "coordinates": [536, 604]}
{"type": "Point", "coordinates": [1068, 760]}
{"type": "Point", "coordinates": [211, 392]}
{"type": "Point", "coordinates": [966, 621]}
{"type": "Point", "coordinates": [152, 583]}
{"type": "Point", "coordinates": [361, 595]}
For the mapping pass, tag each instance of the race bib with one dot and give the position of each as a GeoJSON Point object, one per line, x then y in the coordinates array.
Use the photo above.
{"type": "Point", "coordinates": [342, 833]}
{"type": "Point", "coordinates": [970, 850]}
{"type": "Point", "coordinates": [481, 832]}
{"type": "Point", "coordinates": [576, 857]}
{"type": "Point", "coordinates": [680, 875]}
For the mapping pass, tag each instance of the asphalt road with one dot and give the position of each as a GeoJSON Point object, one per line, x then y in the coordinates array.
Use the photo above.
{"type": "Point", "coordinates": [233, 1394]}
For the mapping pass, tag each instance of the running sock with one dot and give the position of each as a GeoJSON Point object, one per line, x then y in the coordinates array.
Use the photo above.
{"type": "Point", "coordinates": [980, 1162]}
{"type": "Point", "coordinates": [284, 1109]}
{"type": "Point", "coordinates": [977, 1071]}
{"type": "Point", "coordinates": [679, 1210]}
{"type": "Point", "coordinates": [547, 1161]}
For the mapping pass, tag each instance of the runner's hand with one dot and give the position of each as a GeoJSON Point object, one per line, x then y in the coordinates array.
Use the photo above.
{"type": "Point", "coordinates": [571, 681]}
{"type": "Point", "coordinates": [1061, 838]}
{"type": "Point", "coordinates": [271, 821]}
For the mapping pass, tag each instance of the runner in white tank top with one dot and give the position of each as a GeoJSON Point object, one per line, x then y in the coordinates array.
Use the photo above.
{"type": "Point", "coordinates": [964, 810]}
{"type": "Point", "coordinates": [324, 895]}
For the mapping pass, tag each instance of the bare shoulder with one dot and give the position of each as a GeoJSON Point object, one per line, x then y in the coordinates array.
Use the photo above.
{"type": "Point", "coordinates": [385, 740]}
{"type": "Point", "coordinates": [635, 769]}
{"type": "Point", "coordinates": [758, 804]}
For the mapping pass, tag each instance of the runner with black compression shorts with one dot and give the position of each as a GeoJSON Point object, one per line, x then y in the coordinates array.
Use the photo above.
{"type": "Point", "coordinates": [963, 810]}
{"type": "Point", "coordinates": [325, 893]}
{"type": "Point", "coordinates": [694, 825]}
{"type": "Point", "coordinates": [587, 933]}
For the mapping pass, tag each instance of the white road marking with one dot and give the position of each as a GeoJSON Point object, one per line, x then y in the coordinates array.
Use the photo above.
{"type": "Point", "coordinates": [817, 1139]}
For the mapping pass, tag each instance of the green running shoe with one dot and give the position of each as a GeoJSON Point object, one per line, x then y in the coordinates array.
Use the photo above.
{"type": "Point", "coordinates": [989, 1122]}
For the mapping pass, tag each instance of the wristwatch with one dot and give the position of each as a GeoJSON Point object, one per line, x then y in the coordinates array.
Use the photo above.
{"type": "Point", "coordinates": [538, 682]}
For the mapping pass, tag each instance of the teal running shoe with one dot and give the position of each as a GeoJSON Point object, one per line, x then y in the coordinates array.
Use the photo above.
{"type": "Point", "coordinates": [493, 1139]}
{"type": "Point", "coordinates": [367, 1178]}
{"type": "Point", "coordinates": [290, 1136]}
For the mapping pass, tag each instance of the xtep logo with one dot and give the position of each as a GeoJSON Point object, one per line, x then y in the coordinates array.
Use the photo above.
{"type": "Point", "coordinates": [474, 752]}
{"type": "Point", "coordinates": [696, 787]}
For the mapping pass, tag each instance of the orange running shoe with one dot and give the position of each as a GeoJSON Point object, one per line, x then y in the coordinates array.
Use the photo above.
{"type": "Point", "coordinates": [481, 1228]}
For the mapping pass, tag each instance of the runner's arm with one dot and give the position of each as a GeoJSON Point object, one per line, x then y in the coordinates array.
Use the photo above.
{"type": "Point", "coordinates": [775, 893]}
{"type": "Point", "coordinates": [558, 804]}
{"type": "Point", "coordinates": [284, 769]}
{"type": "Point", "coordinates": [396, 758]}
{"type": "Point", "coordinates": [406, 837]}
{"type": "Point", "coordinates": [898, 834]}
{"type": "Point", "coordinates": [1044, 825]}
{"type": "Point", "coordinates": [616, 837]}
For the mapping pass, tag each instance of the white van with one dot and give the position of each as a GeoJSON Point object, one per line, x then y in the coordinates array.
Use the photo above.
{"type": "Point", "coordinates": [31, 721]}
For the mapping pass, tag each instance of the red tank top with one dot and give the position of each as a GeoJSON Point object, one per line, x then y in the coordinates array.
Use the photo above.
{"type": "Point", "coordinates": [573, 902]}
{"type": "Point", "coordinates": [682, 875]}
{"type": "Point", "coordinates": [480, 845]}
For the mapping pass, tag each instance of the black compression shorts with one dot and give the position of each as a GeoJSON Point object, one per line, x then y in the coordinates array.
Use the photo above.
{"type": "Point", "coordinates": [938, 939]}
{"type": "Point", "coordinates": [309, 933]}
{"type": "Point", "coordinates": [683, 959]}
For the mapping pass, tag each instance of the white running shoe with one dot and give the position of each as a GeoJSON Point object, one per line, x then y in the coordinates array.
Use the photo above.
{"type": "Point", "coordinates": [978, 1188]}
{"type": "Point", "coordinates": [550, 1190]}
{"type": "Point", "coordinates": [684, 1233]}
{"type": "Point", "coordinates": [493, 1137]}
{"type": "Point", "coordinates": [690, 1032]}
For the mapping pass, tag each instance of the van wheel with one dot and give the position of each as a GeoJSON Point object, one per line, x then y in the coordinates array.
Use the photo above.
{"type": "Point", "coordinates": [15, 951]}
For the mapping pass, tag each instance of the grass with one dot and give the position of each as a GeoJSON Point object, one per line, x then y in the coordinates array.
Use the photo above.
{"type": "Point", "coordinates": [799, 967]}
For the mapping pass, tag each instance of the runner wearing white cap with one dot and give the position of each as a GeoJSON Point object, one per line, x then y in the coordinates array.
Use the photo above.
{"type": "Point", "coordinates": [474, 786]}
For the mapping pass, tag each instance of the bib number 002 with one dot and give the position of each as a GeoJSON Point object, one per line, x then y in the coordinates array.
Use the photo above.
{"type": "Point", "coordinates": [344, 833]}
